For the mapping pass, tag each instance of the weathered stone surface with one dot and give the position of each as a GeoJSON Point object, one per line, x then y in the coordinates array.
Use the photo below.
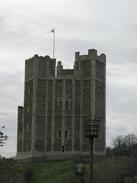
{"type": "Point", "coordinates": [52, 123]}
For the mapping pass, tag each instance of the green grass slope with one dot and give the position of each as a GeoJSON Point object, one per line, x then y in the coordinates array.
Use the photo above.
{"type": "Point", "coordinates": [53, 171]}
{"type": "Point", "coordinates": [106, 170]}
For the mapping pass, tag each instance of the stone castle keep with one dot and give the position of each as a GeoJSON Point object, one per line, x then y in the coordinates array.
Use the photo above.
{"type": "Point", "coordinates": [57, 103]}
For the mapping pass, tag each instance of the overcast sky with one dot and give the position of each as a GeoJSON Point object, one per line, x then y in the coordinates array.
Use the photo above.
{"type": "Point", "coordinates": [110, 26]}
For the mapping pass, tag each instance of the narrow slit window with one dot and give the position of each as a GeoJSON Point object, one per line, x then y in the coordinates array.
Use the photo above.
{"type": "Point", "coordinates": [67, 104]}
{"type": "Point", "coordinates": [59, 134]}
{"type": "Point", "coordinates": [77, 134]}
{"type": "Point", "coordinates": [63, 149]}
{"type": "Point", "coordinates": [60, 104]}
{"type": "Point", "coordinates": [66, 133]}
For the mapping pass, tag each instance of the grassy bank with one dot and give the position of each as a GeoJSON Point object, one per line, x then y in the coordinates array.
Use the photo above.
{"type": "Point", "coordinates": [106, 170]}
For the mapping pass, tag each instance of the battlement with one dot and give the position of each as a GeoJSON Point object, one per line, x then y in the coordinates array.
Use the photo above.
{"type": "Point", "coordinates": [39, 66]}
{"type": "Point", "coordinates": [92, 54]}
{"type": "Point", "coordinates": [85, 64]}
{"type": "Point", "coordinates": [40, 58]}
{"type": "Point", "coordinates": [63, 72]}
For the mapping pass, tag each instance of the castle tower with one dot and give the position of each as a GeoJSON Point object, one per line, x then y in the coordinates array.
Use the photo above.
{"type": "Point", "coordinates": [51, 125]}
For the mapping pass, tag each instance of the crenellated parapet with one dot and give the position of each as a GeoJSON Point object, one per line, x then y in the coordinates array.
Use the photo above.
{"type": "Point", "coordinates": [86, 64]}
{"type": "Point", "coordinates": [63, 72]}
{"type": "Point", "coordinates": [92, 54]}
{"type": "Point", "coordinates": [39, 66]}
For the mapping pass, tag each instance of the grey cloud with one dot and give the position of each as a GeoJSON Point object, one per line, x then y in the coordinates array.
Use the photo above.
{"type": "Point", "coordinates": [109, 26]}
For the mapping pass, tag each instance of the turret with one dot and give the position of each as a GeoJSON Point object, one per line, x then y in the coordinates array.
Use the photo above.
{"type": "Point", "coordinates": [59, 68]}
{"type": "Point", "coordinates": [83, 65]}
{"type": "Point", "coordinates": [39, 66]}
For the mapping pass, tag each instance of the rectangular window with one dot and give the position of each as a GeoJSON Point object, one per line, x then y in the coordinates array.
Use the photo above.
{"type": "Point", "coordinates": [66, 133]}
{"type": "Point", "coordinates": [59, 134]}
{"type": "Point", "coordinates": [67, 104]}
{"type": "Point", "coordinates": [63, 149]}
{"type": "Point", "coordinates": [60, 104]}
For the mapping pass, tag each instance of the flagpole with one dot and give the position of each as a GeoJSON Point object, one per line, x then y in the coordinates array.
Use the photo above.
{"type": "Point", "coordinates": [53, 31]}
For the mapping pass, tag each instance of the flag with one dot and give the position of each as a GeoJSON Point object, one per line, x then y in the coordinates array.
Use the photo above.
{"type": "Point", "coordinates": [53, 30]}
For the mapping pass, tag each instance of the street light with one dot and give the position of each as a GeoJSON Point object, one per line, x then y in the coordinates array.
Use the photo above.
{"type": "Point", "coordinates": [91, 132]}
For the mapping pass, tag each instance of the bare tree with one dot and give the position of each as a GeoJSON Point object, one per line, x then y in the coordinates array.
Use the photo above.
{"type": "Point", "coordinates": [130, 140]}
{"type": "Point", "coordinates": [3, 137]}
{"type": "Point", "coordinates": [125, 144]}
{"type": "Point", "coordinates": [118, 142]}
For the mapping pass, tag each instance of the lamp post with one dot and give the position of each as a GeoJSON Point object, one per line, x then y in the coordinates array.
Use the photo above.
{"type": "Point", "coordinates": [91, 132]}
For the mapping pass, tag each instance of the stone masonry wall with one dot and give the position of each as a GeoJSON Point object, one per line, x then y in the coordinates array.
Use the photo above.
{"type": "Point", "coordinates": [56, 108]}
{"type": "Point", "coordinates": [20, 129]}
